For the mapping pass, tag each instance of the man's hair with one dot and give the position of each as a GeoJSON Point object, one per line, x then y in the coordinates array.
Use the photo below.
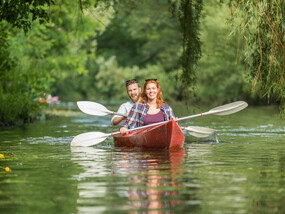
{"type": "Point", "coordinates": [129, 82]}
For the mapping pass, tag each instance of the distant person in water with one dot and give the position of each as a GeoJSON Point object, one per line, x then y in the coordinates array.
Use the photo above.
{"type": "Point", "coordinates": [134, 91]}
{"type": "Point", "coordinates": [150, 109]}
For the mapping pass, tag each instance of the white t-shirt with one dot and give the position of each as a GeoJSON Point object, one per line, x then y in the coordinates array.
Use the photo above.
{"type": "Point", "coordinates": [124, 108]}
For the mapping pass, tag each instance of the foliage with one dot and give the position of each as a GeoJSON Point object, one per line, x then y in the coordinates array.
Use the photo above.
{"type": "Point", "coordinates": [220, 77]}
{"type": "Point", "coordinates": [141, 41]}
{"type": "Point", "coordinates": [110, 79]}
{"type": "Point", "coordinates": [76, 67]}
{"type": "Point", "coordinates": [261, 26]}
{"type": "Point", "coordinates": [188, 13]}
{"type": "Point", "coordinates": [33, 60]}
{"type": "Point", "coordinates": [21, 13]}
{"type": "Point", "coordinates": [21, 84]}
{"type": "Point", "coordinates": [88, 49]}
{"type": "Point", "coordinates": [18, 108]}
{"type": "Point", "coordinates": [140, 48]}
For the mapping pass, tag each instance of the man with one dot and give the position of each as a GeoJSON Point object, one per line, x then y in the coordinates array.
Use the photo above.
{"type": "Point", "coordinates": [134, 91]}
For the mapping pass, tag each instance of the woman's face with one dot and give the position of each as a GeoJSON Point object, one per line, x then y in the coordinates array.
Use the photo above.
{"type": "Point", "coordinates": [151, 91]}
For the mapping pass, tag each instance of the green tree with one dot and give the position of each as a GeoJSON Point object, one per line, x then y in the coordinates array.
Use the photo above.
{"type": "Point", "coordinates": [142, 36]}
{"type": "Point", "coordinates": [260, 24]}
{"type": "Point", "coordinates": [33, 60]}
{"type": "Point", "coordinates": [220, 74]}
{"type": "Point", "coordinates": [20, 13]}
{"type": "Point", "coordinates": [188, 12]}
{"type": "Point", "coordinates": [87, 49]}
{"type": "Point", "coordinates": [127, 47]}
{"type": "Point", "coordinates": [20, 83]}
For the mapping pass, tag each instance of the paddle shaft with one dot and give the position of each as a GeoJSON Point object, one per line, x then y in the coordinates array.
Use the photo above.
{"type": "Point", "coordinates": [179, 119]}
{"type": "Point", "coordinates": [192, 116]}
{"type": "Point", "coordinates": [140, 127]}
{"type": "Point", "coordinates": [226, 109]}
{"type": "Point", "coordinates": [159, 123]}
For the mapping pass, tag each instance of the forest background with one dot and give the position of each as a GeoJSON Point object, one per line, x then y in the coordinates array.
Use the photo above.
{"type": "Point", "coordinates": [84, 50]}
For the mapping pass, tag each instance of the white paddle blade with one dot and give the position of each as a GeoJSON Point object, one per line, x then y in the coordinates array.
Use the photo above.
{"type": "Point", "coordinates": [229, 108]}
{"type": "Point", "coordinates": [199, 132]}
{"type": "Point", "coordinates": [89, 139]}
{"type": "Point", "coordinates": [93, 108]}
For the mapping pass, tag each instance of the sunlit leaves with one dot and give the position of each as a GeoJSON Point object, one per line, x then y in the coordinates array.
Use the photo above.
{"type": "Point", "coordinates": [261, 24]}
{"type": "Point", "coordinates": [21, 13]}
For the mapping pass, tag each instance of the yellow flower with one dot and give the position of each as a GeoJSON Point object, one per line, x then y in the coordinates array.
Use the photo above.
{"type": "Point", "coordinates": [7, 169]}
{"type": "Point", "coordinates": [2, 156]}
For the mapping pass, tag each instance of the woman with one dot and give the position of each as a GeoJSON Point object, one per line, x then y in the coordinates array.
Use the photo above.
{"type": "Point", "coordinates": [150, 109]}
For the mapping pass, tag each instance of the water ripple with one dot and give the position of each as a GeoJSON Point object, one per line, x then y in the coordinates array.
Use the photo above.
{"type": "Point", "coordinates": [48, 140]}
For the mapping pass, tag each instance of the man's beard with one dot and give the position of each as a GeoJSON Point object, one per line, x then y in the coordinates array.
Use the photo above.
{"type": "Point", "coordinates": [137, 98]}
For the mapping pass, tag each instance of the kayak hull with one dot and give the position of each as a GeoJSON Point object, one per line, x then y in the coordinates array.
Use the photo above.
{"type": "Point", "coordinates": [166, 136]}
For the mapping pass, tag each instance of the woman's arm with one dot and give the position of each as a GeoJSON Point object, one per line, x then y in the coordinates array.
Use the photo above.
{"type": "Point", "coordinates": [169, 111]}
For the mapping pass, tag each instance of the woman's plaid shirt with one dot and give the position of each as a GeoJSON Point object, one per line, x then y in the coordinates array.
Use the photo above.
{"type": "Point", "coordinates": [139, 111]}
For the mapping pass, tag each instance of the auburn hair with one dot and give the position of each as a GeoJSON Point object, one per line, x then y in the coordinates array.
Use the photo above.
{"type": "Point", "coordinates": [159, 99]}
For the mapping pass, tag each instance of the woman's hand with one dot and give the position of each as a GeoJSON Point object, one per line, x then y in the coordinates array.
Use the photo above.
{"type": "Point", "coordinates": [123, 130]}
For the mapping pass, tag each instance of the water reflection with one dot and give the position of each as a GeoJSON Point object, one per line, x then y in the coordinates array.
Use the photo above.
{"type": "Point", "coordinates": [145, 180]}
{"type": "Point", "coordinates": [152, 175]}
{"type": "Point", "coordinates": [92, 182]}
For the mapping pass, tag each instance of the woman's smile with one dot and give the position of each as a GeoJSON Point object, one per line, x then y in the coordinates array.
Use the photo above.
{"type": "Point", "coordinates": [151, 91]}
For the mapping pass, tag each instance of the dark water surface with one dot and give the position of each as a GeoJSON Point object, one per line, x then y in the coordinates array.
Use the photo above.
{"type": "Point", "coordinates": [239, 170]}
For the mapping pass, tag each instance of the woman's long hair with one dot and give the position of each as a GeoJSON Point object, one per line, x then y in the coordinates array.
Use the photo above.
{"type": "Point", "coordinates": [159, 99]}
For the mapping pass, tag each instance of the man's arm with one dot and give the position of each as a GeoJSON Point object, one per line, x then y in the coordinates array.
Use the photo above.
{"type": "Point", "coordinates": [118, 119]}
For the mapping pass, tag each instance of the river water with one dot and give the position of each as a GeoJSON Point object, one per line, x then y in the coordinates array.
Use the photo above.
{"type": "Point", "coordinates": [240, 169]}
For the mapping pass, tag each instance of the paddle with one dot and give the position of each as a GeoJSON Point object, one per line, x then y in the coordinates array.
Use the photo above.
{"type": "Point", "coordinates": [96, 109]}
{"type": "Point", "coordinates": [221, 110]}
{"type": "Point", "coordinates": [93, 138]}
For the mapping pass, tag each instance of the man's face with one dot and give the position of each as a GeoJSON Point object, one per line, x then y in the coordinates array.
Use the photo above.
{"type": "Point", "coordinates": [134, 92]}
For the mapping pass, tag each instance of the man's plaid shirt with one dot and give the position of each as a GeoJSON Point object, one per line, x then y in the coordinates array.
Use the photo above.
{"type": "Point", "coordinates": [139, 111]}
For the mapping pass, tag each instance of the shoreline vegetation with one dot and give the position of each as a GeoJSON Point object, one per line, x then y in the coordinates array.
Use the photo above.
{"type": "Point", "coordinates": [70, 109]}
{"type": "Point", "coordinates": [69, 50]}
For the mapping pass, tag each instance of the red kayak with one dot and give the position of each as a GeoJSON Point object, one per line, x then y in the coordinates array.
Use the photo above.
{"type": "Point", "coordinates": [167, 136]}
